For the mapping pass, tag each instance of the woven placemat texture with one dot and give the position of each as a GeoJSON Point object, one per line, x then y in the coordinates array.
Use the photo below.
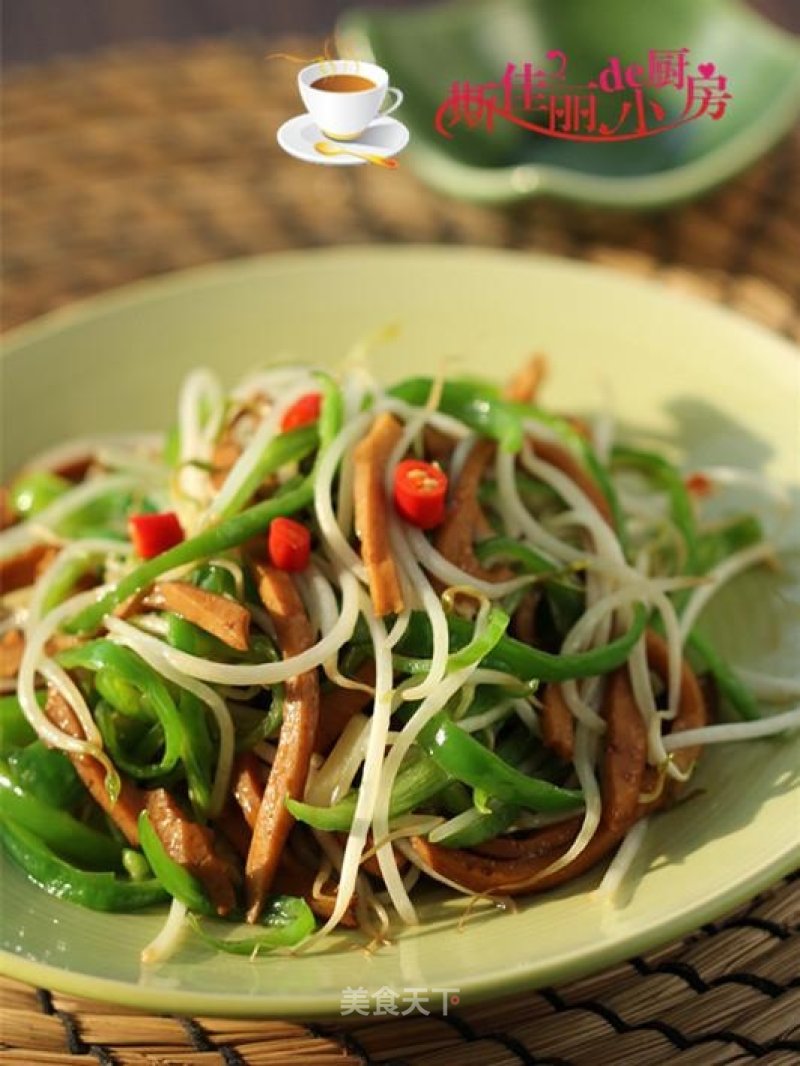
{"type": "Point", "coordinates": [146, 160]}
{"type": "Point", "coordinates": [730, 994]}
{"type": "Point", "coordinates": [159, 157]}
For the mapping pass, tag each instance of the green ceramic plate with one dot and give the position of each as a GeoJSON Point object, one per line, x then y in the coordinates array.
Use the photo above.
{"type": "Point", "coordinates": [428, 48]}
{"type": "Point", "coordinates": [722, 387]}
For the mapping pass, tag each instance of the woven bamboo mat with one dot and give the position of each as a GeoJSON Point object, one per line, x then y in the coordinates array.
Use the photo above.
{"type": "Point", "coordinates": [142, 161]}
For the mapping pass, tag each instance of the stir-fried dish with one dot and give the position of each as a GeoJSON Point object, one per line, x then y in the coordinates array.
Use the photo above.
{"type": "Point", "coordinates": [327, 641]}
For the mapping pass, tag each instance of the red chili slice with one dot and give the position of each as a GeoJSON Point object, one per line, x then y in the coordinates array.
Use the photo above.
{"type": "Point", "coordinates": [420, 493]}
{"type": "Point", "coordinates": [303, 411]}
{"type": "Point", "coordinates": [153, 534]}
{"type": "Point", "coordinates": [289, 544]}
{"type": "Point", "coordinates": [699, 485]}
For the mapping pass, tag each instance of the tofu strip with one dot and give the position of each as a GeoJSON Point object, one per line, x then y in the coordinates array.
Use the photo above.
{"type": "Point", "coordinates": [296, 743]}
{"type": "Point", "coordinates": [465, 518]}
{"type": "Point", "coordinates": [220, 616]}
{"type": "Point", "coordinates": [371, 513]}
{"type": "Point", "coordinates": [131, 800]}
{"type": "Point", "coordinates": [523, 386]}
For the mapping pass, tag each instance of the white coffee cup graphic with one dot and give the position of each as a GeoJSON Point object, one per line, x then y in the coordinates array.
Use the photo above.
{"type": "Point", "coordinates": [344, 95]}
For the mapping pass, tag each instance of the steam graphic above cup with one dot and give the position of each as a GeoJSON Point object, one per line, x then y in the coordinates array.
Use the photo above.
{"type": "Point", "coordinates": [343, 96]}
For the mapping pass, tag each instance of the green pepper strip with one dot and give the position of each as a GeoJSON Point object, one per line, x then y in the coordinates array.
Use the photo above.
{"type": "Point", "coordinates": [287, 920]}
{"type": "Point", "coordinates": [216, 579]}
{"type": "Point", "coordinates": [112, 730]}
{"type": "Point", "coordinates": [124, 697]}
{"type": "Point", "coordinates": [186, 636]}
{"type": "Point", "coordinates": [261, 726]}
{"type": "Point", "coordinates": [103, 516]}
{"type": "Point", "coordinates": [15, 730]}
{"type": "Point", "coordinates": [171, 875]}
{"type": "Point", "coordinates": [467, 760]}
{"type": "Point", "coordinates": [59, 830]}
{"type": "Point", "coordinates": [473, 652]}
{"type": "Point", "coordinates": [668, 477]}
{"type": "Point", "coordinates": [734, 536]}
{"type": "Point", "coordinates": [702, 553]}
{"type": "Point", "coordinates": [507, 548]}
{"type": "Point", "coordinates": [524, 662]}
{"type": "Point", "coordinates": [198, 752]}
{"type": "Point", "coordinates": [481, 643]}
{"type": "Point", "coordinates": [577, 443]}
{"type": "Point", "coordinates": [135, 865]}
{"type": "Point", "coordinates": [413, 786]}
{"type": "Point", "coordinates": [32, 492]}
{"type": "Point", "coordinates": [476, 404]}
{"type": "Point", "coordinates": [566, 600]}
{"type": "Point", "coordinates": [289, 447]}
{"type": "Point", "coordinates": [500, 815]}
{"type": "Point", "coordinates": [47, 774]}
{"type": "Point", "coordinates": [737, 694]}
{"type": "Point", "coordinates": [227, 534]}
{"type": "Point", "coordinates": [101, 891]}
{"type": "Point", "coordinates": [533, 493]}
{"type": "Point", "coordinates": [67, 579]}
{"type": "Point", "coordinates": [484, 827]}
{"type": "Point", "coordinates": [104, 654]}
{"type": "Point", "coordinates": [712, 549]}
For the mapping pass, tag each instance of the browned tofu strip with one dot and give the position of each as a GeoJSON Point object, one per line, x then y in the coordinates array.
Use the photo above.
{"type": "Point", "coordinates": [524, 385]}
{"type": "Point", "coordinates": [226, 453]}
{"type": "Point", "coordinates": [296, 741]}
{"type": "Point", "coordinates": [12, 646]}
{"type": "Point", "coordinates": [455, 537]}
{"type": "Point", "coordinates": [230, 824]}
{"type": "Point", "coordinates": [220, 616]}
{"type": "Point", "coordinates": [558, 727]}
{"type": "Point", "coordinates": [294, 879]}
{"type": "Point", "coordinates": [20, 570]}
{"type": "Point", "coordinates": [370, 864]}
{"type": "Point", "coordinates": [131, 800]}
{"type": "Point", "coordinates": [693, 712]}
{"type": "Point", "coordinates": [516, 876]}
{"type": "Point", "coordinates": [371, 513]}
{"type": "Point", "coordinates": [74, 469]}
{"type": "Point", "coordinates": [248, 785]}
{"type": "Point", "coordinates": [529, 845]}
{"type": "Point", "coordinates": [523, 621]}
{"type": "Point", "coordinates": [192, 846]}
{"type": "Point", "coordinates": [338, 706]}
{"type": "Point", "coordinates": [562, 458]}
{"type": "Point", "coordinates": [438, 446]}
{"type": "Point", "coordinates": [625, 756]}
{"type": "Point", "coordinates": [7, 515]}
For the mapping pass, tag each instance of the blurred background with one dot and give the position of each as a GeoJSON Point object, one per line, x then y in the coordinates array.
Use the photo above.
{"type": "Point", "coordinates": [139, 138]}
{"type": "Point", "coordinates": [40, 29]}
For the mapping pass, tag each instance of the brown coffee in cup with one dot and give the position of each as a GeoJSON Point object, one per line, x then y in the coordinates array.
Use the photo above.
{"type": "Point", "coordinates": [343, 96]}
{"type": "Point", "coordinates": [343, 83]}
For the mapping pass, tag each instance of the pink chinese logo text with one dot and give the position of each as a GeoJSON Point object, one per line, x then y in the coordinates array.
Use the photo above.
{"type": "Point", "coordinates": [621, 103]}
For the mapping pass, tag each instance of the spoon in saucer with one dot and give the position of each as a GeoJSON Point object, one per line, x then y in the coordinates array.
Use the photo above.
{"type": "Point", "coordinates": [326, 148]}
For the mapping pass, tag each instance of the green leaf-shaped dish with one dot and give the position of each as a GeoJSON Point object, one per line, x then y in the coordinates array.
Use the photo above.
{"type": "Point", "coordinates": [428, 48]}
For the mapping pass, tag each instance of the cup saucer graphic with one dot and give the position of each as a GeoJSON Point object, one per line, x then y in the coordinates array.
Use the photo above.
{"type": "Point", "coordinates": [385, 136]}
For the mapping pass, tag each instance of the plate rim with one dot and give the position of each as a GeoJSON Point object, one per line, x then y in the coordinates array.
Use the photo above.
{"type": "Point", "coordinates": [471, 990]}
{"type": "Point", "coordinates": [473, 987]}
{"type": "Point", "coordinates": [158, 286]}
